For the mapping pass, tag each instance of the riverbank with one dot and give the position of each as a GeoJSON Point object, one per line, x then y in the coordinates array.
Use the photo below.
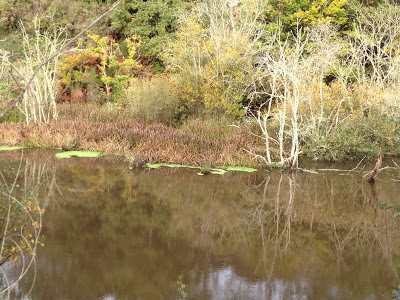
{"type": "Point", "coordinates": [207, 142]}
{"type": "Point", "coordinates": [196, 142]}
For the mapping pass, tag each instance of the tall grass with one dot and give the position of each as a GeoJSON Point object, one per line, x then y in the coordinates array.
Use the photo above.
{"type": "Point", "coordinates": [153, 100]}
{"type": "Point", "coordinates": [154, 142]}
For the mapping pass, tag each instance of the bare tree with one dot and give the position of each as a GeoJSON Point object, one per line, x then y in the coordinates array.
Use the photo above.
{"type": "Point", "coordinates": [289, 75]}
{"type": "Point", "coordinates": [39, 100]}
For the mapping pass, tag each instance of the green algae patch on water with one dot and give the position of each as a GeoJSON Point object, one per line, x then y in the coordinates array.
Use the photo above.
{"type": "Point", "coordinates": [7, 148]}
{"type": "Point", "coordinates": [69, 154]}
{"type": "Point", "coordinates": [241, 169]}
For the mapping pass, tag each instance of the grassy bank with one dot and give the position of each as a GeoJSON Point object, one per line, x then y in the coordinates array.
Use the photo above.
{"type": "Point", "coordinates": [195, 142]}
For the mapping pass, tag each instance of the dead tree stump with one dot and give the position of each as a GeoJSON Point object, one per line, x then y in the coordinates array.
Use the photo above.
{"type": "Point", "coordinates": [378, 166]}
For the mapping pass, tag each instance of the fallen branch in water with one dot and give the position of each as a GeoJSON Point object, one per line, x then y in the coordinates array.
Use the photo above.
{"type": "Point", "coordinates": [356, 167]}
{"type": "Point", "coordinates": [307, 171]}
{"type": "Point", "coordinates": [334, 170]}
{"type": "Point", "coordinates": [342, 170]}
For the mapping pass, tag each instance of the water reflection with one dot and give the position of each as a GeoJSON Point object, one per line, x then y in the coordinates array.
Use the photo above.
{"type": "Point", "coordinates": [113, 233]}
{"type": "Point", "coordinates": [21, 215]}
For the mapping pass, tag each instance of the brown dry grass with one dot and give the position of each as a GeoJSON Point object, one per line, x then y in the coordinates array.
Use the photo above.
{"type": "Point", "coordinates": [195, 143]}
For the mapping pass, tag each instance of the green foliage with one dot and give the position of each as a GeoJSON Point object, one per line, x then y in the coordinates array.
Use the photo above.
{"type": "Point", "coordinates": [288, 13]}
{"type": "Point", "coordinates": [308, 12]}
{"type": "Point", "coordinates": [102, 67]}
{"type": "Point", "coordinates": [14, 116]}
{"type": "Point", "coordinates": [75, 15]}
{"type": "Point", "coordinates": [154, 21]}
{"type": "Point", "coordinates": [213, 58]}
{"type": "Point", "coordinates": [7, 88]}
{"type": "Point", "coordinates": [7, 91]}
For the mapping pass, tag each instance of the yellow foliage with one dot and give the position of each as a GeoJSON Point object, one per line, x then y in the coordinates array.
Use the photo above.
{"type": "Point", "coordinates": [321, 11]}
{"type": "Point", "coordinates": [213, 67]}
{"type": "Point", "coordinates": [102, 63]}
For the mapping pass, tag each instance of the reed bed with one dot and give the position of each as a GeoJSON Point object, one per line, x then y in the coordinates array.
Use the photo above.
{"type": "Point", "coordinates": [192, 144]}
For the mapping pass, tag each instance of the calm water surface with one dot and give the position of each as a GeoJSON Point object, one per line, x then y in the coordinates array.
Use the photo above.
{"type": "Point", "coordinates": [114, 233]}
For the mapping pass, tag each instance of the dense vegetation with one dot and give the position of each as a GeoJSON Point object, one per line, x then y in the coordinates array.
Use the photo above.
{"type": "Point", "coordinates": [318, 77]}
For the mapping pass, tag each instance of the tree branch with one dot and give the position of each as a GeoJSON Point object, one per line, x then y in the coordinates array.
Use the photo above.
{"type": "Point", "coordinates": [3, 261]}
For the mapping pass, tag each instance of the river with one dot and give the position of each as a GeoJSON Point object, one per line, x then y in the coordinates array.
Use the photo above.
{"type": "Point", "coordinates": [109, 232]}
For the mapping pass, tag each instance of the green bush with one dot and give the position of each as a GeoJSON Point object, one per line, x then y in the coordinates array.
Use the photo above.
{"type": "Point", "coordinates": [14, 116]}
{"type": "Point", "coordinates": [75, 15]}
{"type": "Point", "coordinates": [312, 12]}
{"type": "Point", "coordinates": [13, 11]}
{"type": "Point", "coordinates": [153, 20]}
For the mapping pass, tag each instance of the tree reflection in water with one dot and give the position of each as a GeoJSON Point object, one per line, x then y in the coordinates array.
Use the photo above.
{"type": "Point", "coordinates": [131, 234]}
{"type": "Point", "coordinates": [21, 223]}
{"type": "Point", "coordinates": [305, 224]}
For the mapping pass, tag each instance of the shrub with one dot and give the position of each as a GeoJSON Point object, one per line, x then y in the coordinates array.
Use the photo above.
{"type": "Point", "coordinates": [309, 12]}
{"type": "Point", "coordinates": [214, 54]}
{"type": "Point", "coordinates": [100, 72]}
{"type": "Point", "coordinates": [352, 122]}
{"type": "Point", "coordinates": [153, 99]}
{"type": "Point", "coordinates": [75, 15]}
{"type": "Point", "coordinates": [14, 11]}
{"type": "Point", "coordinates": [6, 85]}
{"type": "Point", "coordinates": [337, 120]}
{"type": "Point", "coordinates": [154, 21]}
{"type": "Point", "coordinates": [287, 13]}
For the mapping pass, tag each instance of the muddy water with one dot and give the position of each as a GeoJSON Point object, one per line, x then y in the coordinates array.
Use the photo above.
{"type": "Point", "coordinates": [114, 233]}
